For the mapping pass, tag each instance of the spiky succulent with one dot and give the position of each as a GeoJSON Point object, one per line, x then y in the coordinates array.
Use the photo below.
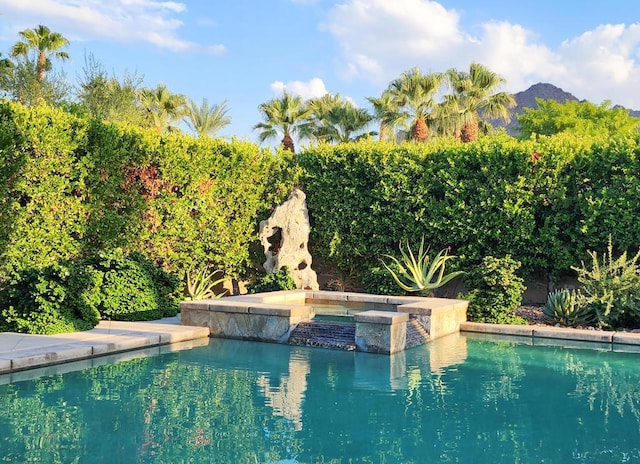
{"type": "Point", "coordinates": [565, 307]}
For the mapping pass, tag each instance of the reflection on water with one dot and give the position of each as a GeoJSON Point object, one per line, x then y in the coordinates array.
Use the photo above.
{"type": "Point", "coordinates": [456, 399]}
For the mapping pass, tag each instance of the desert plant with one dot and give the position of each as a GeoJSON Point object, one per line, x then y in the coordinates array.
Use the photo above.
{"type": "Point", "coordinates": [201, 283]}
{"type": "Point", "coordinates": [611, 288]}
{"type": "Point", "coordinates": [419, 273]}
{"type": "Point", "coordinates": [567, 308]}
{"type": "Point", "coordinates": [495, 291]}
{"type": "Point", "coordinates": [273, 281]}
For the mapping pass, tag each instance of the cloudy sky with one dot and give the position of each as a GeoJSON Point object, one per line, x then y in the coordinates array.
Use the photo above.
{"type": "Point", "coordinates": [247, 51]}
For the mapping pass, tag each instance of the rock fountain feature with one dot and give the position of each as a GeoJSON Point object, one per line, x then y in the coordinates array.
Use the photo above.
{"type": "Point", "coordinates": [284, 237]}
{"type": "Point", "coordinates": [375, 323]}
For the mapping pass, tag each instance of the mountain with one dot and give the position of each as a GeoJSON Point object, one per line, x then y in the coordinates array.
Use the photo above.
{"type": "Point", "coordinates": [527, 99]}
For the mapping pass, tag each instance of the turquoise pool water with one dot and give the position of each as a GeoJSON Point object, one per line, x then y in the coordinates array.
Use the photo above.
{"type": "Point", "coordinates": [459, 399]}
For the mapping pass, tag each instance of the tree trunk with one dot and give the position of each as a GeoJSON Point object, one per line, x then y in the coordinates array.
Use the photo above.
{"type": "Point", "coordinates": [41, 66]}
{"type": "Point", "coordinates": [383, 132]}
{"type": "Point", "coordinates": [469, 132]}
{"type": "Point", "coordinates": [420, 131]}
{"type": "Point", "coordinates": [287, 143]}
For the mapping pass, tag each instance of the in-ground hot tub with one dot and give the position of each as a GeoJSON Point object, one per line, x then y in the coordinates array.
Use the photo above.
{"type": "Point", "coordinates": [381, 321]}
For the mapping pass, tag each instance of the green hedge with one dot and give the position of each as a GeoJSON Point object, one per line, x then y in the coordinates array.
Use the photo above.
{"type": "Point", "coordinates": [544, 202]}
{"type": "Point", "coordinates": [72, 187]}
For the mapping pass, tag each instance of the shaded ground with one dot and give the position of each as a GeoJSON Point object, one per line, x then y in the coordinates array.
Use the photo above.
{"type": "Point", "coordinates": [532, 314]}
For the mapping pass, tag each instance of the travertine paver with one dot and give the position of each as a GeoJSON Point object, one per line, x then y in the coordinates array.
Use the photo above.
{"type": "Point", "coordinates": [559, 333]}
{"type": "Point", "coordinates": [22, 351]}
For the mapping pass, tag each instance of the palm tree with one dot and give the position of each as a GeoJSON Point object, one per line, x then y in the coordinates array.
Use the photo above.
{"type": "Point", "coordinates": [413, 96]}
{"type": "Point", "coordinates": [284, 116]}
{"type": "Point", "coordinates": [474, 98]}
{"type": "Point", "coordinates": [43, 42]}
{"type": "Point", "coordinates": [206, 120]}
{"type": "Point", "coordinates": [162, 107]}
{"type": "Point", "coordinates": [385, 111]}
{"type": "Point", "coordinates": [343, 123]}
{"type": "Point", "coordinates": [318, 126]}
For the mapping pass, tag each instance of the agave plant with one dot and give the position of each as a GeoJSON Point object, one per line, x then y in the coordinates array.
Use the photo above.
{"type": "Point", "coordinates": [565, 307]}
{"type": "Point", "coordinates": [418, 273]}
{"type": "Point", "coordinates": [201, 283]}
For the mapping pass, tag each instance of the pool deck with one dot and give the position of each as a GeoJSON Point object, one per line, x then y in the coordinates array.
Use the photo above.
{"type": "Point", "coordinates": [19, 352]}
{"type": "Point", "coordinates": [22, 351]}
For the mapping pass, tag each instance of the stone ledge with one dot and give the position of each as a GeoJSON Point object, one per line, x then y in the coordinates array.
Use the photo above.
{"type": "Point", "coordinates": [626, 338]}
{"type": "Point", "coordinates": [573, 334]}
{"type": "Point", "coordinates": [501, 329]}
{"type": "Point", "coordinates": [380, 317]}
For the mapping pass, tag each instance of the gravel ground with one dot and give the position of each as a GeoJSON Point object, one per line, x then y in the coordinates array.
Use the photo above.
{"type": "Point", "coordinates": [532, 314]}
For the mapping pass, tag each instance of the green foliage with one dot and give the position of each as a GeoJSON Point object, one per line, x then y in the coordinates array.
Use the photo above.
{"type": "Point", "coordinates": [584, 118]}
{"type": "Point", "coordinates": [201, 283]}
{"type": "Point", "coordinates": [71, 187]}
{"type": "Point", "coordinates": [132, 288]}
{"type": "Point", "coordinates": [273, 281]}
{"type": "Point", "coordinates": [55, 299]}
{"type": "Point", "coordinates": [419, 273]}
{"type": "Point", "coordinates": [565, 307]}
{"type": "Point", "coordinates": [495, 291]}
{"type": "Point", "coordinates": [611, 289]}
{"type": "Point", "coordinates": [378, 280]}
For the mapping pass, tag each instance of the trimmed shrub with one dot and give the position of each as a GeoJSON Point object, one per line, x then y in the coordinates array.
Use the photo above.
{"type": "Point", "coordinates": [273, 281]}
{"type": "Point", "coordinates": [54, 299]}
{"type": "Point", "coordinates": [132, 288]}
{"type": "Point", "coordinates": [495, 291]}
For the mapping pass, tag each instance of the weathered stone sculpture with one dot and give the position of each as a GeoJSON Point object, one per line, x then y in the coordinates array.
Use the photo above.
{"type": "Point", "coordinates": [284, 237]}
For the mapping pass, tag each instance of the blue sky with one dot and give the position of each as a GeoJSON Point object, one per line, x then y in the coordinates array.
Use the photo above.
{"type": "Point", "coordinates": [248, 51]}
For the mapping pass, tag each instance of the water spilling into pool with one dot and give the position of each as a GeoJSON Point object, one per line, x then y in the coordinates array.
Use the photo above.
{"type": "Point", "coordinates": [458, 399]}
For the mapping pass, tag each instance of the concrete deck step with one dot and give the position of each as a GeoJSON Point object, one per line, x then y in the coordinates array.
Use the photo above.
{"type": "Point", "coordinates": [332, 335]}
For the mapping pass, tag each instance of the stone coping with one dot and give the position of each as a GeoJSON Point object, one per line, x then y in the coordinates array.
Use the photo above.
{"type": "Point", "coordinates": [25, 351]}
{"type": "Point", "coordinates": [380, 317]}
{"type": "Point", "coordinates": [560, 333]}
{"type": "Point", "coordinates": [284, 302]}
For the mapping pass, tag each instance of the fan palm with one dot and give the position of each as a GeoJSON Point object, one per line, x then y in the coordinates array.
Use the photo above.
{"type": "Point", "coordinates": [474, 98]}
{"type": "Point", "coordinates": [284, 116]}
{"type": "Point", "coordinates": [162, 107]}
{"type": "Point", "coordinates": [385, 111]}
{"type": "Point", "coordinates": [205, 119]}
{"type": "Point", "coordinates": [45, 43]}
{"type": "Point", "coordinates": [333, 119]}
{"type": "Point", "coordinates": [413, 95]}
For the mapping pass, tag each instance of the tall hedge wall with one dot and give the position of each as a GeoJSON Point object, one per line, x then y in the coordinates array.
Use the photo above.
{"type": "Point", "coordinates": [70, 187]}
{"type": "Point", "coordinates": [544, 202]}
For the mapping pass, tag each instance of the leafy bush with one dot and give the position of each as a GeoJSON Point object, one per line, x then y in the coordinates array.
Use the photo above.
{"type": "Point", "coordinates": [132, 288]}
{"type": "Point", "coordinates": [71, 187]}
{"type": "Point", "coordinates": [378, 280]}
{"type": "Point", "coordinates": [611, 289]}
{"type": "Point", "coordinates": [567, 308]}
{"type": "Point", "coordinates": [55, 299]}
{"type": "Point", "coordinates": [273, 282]}
{"type": "Point", "coordinates": [495, 291]}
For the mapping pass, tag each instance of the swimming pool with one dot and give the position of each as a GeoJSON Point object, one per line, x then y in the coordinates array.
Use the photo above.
{"type": "Point", "coordinates": [462, 398]}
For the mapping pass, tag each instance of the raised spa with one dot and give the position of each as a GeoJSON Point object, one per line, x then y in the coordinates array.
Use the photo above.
{"type": "Point", "coordinates": [383, 324]}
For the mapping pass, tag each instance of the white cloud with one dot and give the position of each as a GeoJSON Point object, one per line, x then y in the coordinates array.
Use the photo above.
{"type": "Point", "coordinates": [311, 89]}
{"type": "Point", "coordinates": [379, 39]}
{"type": "Point", "coordinates": [150, 21]}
